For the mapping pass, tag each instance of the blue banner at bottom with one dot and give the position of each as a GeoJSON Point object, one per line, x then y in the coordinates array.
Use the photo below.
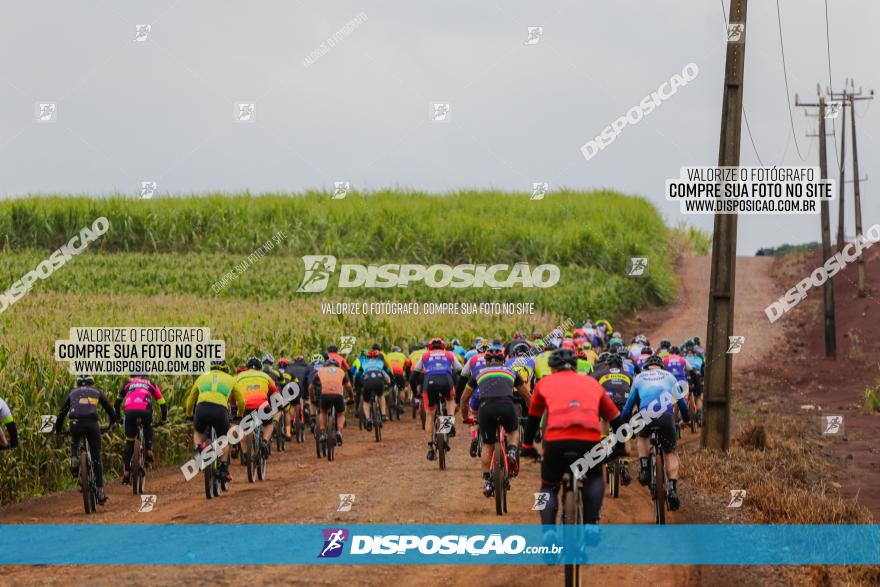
{"type": "Point", "coordinates": [256, 544]}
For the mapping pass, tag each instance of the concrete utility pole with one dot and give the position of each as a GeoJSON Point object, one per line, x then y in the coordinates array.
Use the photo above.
{"type": "Point", "coordinates": [828, 286]}
{"type": "Point", "coordinates": [719, 366]}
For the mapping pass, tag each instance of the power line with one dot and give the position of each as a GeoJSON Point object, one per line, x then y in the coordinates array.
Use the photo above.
{"type": "Point", "coordinates": [830, 85]}
{"type": "Point", "coordinates": [787, 90]}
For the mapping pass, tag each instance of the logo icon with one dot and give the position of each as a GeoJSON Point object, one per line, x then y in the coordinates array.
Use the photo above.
{"type": "Point", "coordinates": [445, 424]}
{"type": "Point", "coordinates": [832, 109]}
{"type": "Point", "coordinates": [47, 424]}
{"type": "Point", "coordinates": [737, 497]}
{"type": "Point", "coordinates": [245, 112]}
{"type": "Point", "coordinates": [334, 541]}
{"type": "Point", "coordinates": [440, 112]}
{"type": "Point", "coordinates": [346, 500]}
{"type": "Point", "coordinates": [539, 190]}
{"type": "Point", "coordinates": [735, 32]}
{"type": "Point", "coordinates": [346, 344]}
{"type": "Point", "coordinates": [541, 501]}
{"type": "Point", "coordinates": [318, 270]}
{"type": "Point", "coordinates": [341, 189]}
{"type": "Point", "coordinates": [637, 266]}
{"type": "Point", "coordinates": [142, 32]}
{"type": "Point", "coordinates": [833, 425]}
{"type": "Point", "coordinates": [147, 503]}
{"type": "Point", "coordinates": [46, 111]}
{"type": "Point", "coordinates": [148, 189]}
{"type": "Point", "coordinates": [735, 344]}
{"type": "Point", "coordinates": [535, 33]}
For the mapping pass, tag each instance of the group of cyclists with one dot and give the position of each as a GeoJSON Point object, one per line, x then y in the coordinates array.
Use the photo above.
{"type": "Point", "coordinates": [566, 390]}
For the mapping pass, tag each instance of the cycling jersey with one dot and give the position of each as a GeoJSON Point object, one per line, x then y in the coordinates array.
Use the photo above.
{"type": "Point", "coordinates": [473, 366]}
{"type": "Point", "coordinates": [496, 383]}
{"type": "Point", "coordinates": [616, 383]}
{"type": "Point", "coordinates": [629, 367]}
{"type": "Point", "coordinates": [635, 351]}
{"type": "Point", "coordinates": [339, 359]}
{"type": "Point", "coordinates": [415, 356]}
{"type": "Point", "coordinates": [5, 413]}
{"type": "Point", "coordinates": [694, 363]}
{"type": "Point", "coordinates": [438, 362]}
{"type": "Point", "coordinates": [523, 366]}
{"type": "Point", "coordinates": [676, 365]}
{"type": "Point", "coordinates": [214, 387]}
{"type": "Point", "coordinates": [139, 393]}
{"type": "Point", "coordinates": [81, 404]}
{"type": "Point", "coordinates": [542, 365]}
{"type": "Point", "coordinates": [468, 355]}
{"type": "Point", "coordinates": [396, 363]}
{"type": "Point", "coordinates": [573, 404]}
{"type": "Point", "coordinates": [331, 380]}
{"type": "Point", "coordinates": [658, 389]}
{"type": "Point", "coordinates": [256, 387]}
{"type": "Point", "coordinates": [299, 371]}
{"type": "Point", "coordinates": [640, 361]}
{"type": "Point", "coordinates": [460, 351]}
{"type": "Point", "coordinates": [584, 366]}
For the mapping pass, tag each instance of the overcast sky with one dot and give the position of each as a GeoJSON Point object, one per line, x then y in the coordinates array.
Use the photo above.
{"type": "Point", "coordinates": [164, 109]}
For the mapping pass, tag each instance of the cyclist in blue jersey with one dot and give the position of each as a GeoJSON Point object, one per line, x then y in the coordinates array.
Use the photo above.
{"type": "Point", "coordinates": [656, 391]}
{"type": "Point", "coordinates": [695, 363]}
{"type": "Point", "coordinates": [458, 349]}
{"type": "Point", "coordinates": [437, 368]}
{"type": "Point", "coordinates": [470, 410]}
{"type": "Point", "coordinates": [375, 376]}
{"type": "Point", "coordinates": [467, 356]}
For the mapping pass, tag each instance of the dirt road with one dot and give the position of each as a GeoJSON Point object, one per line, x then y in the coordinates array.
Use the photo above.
{"type": "Point", "coordinates": [392, 482]}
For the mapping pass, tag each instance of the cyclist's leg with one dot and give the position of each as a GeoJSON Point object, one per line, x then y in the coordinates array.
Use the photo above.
{"type": "Point", "coordinates": [488, 421]}
{"type": "Point", "coordinates": [643, 445]}
{"type": "Point", "coordinates": [552, 469]}
{"type": "Point", "coordinates": [92, 434]}
{"type": "Point", "coordinates": [130, 428]}
{"type": "Point", "coordinates": [383, 407]}
{"type": "Point", "coordinates": [75, 439]}
{"type": "Point", "coordinates": [340, 415]}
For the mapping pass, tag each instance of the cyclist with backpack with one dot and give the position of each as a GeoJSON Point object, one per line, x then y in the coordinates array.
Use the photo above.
{"type": "Point", "coordinates": [81, 404]}
{"type": "Point", "coordinates": [138, 393]}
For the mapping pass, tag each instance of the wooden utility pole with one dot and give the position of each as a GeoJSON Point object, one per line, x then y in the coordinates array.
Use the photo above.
{"type": "Point", "coordinates": [719, 367]}
{"type": "Point", "coordinates": [857, 198]}
{"type": "Point", "coordinates": [828, 286]}
{"type": "Point", "coordinates": [841, 189]}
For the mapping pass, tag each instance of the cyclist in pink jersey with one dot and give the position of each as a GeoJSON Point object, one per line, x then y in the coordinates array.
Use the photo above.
{"type": "Point", "coordinates": [138, 394]}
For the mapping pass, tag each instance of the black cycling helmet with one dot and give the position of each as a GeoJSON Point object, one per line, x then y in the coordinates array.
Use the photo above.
{"type": "Point", "coordinates": [494, 355]}
{"type": "Point", "coordinates": [646, 350]}
{"type": "Point", "coordinates": [603, 358]}
{"type": "Point", "coordinates": [665, 343]}
{"type": "Point", "coordinates": [84, 379]}
{"type": "Point", "coordinates": [696, 340]}
{"type": "Point", "coordinates": [563, 359]}
{"type": "Point", "coordinates": [614, 360]}
{"type": "Point", "coordinates": [376, 347]}
{"type": "Point", "coordinates": [331, 363]}
{"type": "Point", "coordinates": [519, 348]}
{"type": "Point", "coordinates": [674, 350]}
{"type": "Point", "coordinates": [254, 363]}
{"type": "Point", "coordinates": [332, 348]}
{"type": "Point", "coordinates": [653, 361]}
{"type": "Point", "coordinates": [219, 365]}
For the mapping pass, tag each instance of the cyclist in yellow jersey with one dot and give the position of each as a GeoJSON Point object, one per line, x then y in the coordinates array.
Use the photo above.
{"type": "Point", "coordinates": [542, 364]}
{"type": "Point", "coordinates": [207, 406]}
{"type": "Point", "coordinates": [396, 363]}
{"type": "Point", "coordinates": [590, 355]}
{"type": "Point", "coordinates": [413, 359]}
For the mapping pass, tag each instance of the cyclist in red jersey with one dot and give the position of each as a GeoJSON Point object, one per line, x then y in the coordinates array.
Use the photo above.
{"type": "Point", "coordinates": [333, 353]}
{"type": "Point", "coordinates": [573, 404]}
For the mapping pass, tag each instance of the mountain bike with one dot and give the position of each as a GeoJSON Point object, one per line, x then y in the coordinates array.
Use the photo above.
{"type": "Point", "coordinates": [86, 477]}
{"type": "Point", "coordinates": [442, 424]}
{"type": "Point", "coordinates": [215, 481]}
{"type": "Point", "coordinates": [657, 467]}
{"type": "Point", "coordinates": [299, 423]}
{"type": "Point", "coordinates": [330, 436]}
{"type": "Point", "coordinates": [376, 417]}
{"type": "Point", "coordinates": [278, 433]}
{"type": "Point", "coordinates": [572, 517]}
{"type": "Point", "coordinates": [500, 469]}
{"type": "Point", "coordinates": [393, 403]}
{"type": "Point", "coordinates": [320, 441]}
{"type": "Point", "coordinates": [613, 473]}
{"type": "Point", "coordinates": [138, 465]}
{"type": "Point", "coordinates": [254, 458]}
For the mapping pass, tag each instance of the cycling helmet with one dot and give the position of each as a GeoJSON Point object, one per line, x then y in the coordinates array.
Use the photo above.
{"type": "Point", "coordinates": [298, 358]}
{"type": "Point", "coordinates": [436, 343]}
{"type": "Point", "coordinates": [331, 363]}
{"type": "Point", "coordinates": [372, 353]}
{"type": "Point", "coordinates": [219, 365]}
{"type": "Point", "coordinates": [674, 350]}
{"type": "Point", "coordinates": [84, 379]}
{"type": "Point", "coordinates": [665, 343]}
{"type": "Point", "coordinates": [240, 368]}
{"type": "Point", "coordinates": [622, 352]}
{"type": "Point", "coordinates": [536, 335]}
{"type": "Point", "coordinates": [586, 345]}
{"type": "Point", "coordinates": [646, 350]}
{"type": "Point", "coordinates": [494, 355]}
{"type": "Point", "coordinates": [254, 363]}
{"type": "Point", "coordinates": [268, 359]}
{"type": "Point", "coordinates": [615, 346]}
{"type": "Point", "coordinates": [316, 357]}
{"type": "Point", "coordinates": [283, 361]}
{"type": "Point", "coordinates": [696, 340]}
{"type": "Point", "coordinates": [376, 347]}
{"type": "Point", "coordinates": [456, 342]}
{"type": "Point", "coordinates": [478, 341]}
{"type": "Point", "coordinates": [653, 361]}
{"type": "Point", "coordinates": [484, 347]}
{"type": "Point", "coordinates": [395, 349]}
{"type": "Point", "coordinates": [518, 335]}
{"type": "Point", "coordinates": [688, 346]}
{"type": "Point", "coordinates": [520, 348]}
{"type": "Point", "coordinates": [332, 348]}
{"type": "Point", "coordinates": [563, 359]}
{"type": "Point", "coordinates": [603, 358]}
{"type": "Point", "coordinates": [614, 360]}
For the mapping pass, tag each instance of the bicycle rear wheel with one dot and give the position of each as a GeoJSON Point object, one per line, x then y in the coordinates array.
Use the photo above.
{"type": "Point", "coordinates": [250, 455]}
{"type": "Point", "coordinates": [377, 419]}
{"type": "Point", "coordinates": [280, 428]}
{"type": "Point", "coordinates": [571, 520]}
{"type": "Point", "coordinates": [135, 470]}
{"type": "Point", "coordinates": [498, 479]}
{"type": "Point", "coordinates": [85, 482]}
{"type": "Point", "coordinates": [330, 446]}
{"type": "Point", "coordinates": [614, 480]}
{"type": "Point", "coordinates": [659, 477]}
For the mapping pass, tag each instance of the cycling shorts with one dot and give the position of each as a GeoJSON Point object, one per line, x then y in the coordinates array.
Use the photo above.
{"type": "Point", "coordinates": [399, 380]}
{"type": "Point", "coordinates": [131, 418]}
{"type": "Point", "coordinates": [696, 385]}
{"type": "Point", "coordinates": [373, 387]}
{"type": "Point", "coordinates": [436, 387]}
{"type": "Point", "coordinates": [209, 415]}
{"type": "Point", "coordinates": [493, 413]}
{"type": "Point", "coordinates": [557, 462]}
{"type": "Point", "coordinates": [665, 426]}
{"type": "Point", "coordinates": [333, 400]}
